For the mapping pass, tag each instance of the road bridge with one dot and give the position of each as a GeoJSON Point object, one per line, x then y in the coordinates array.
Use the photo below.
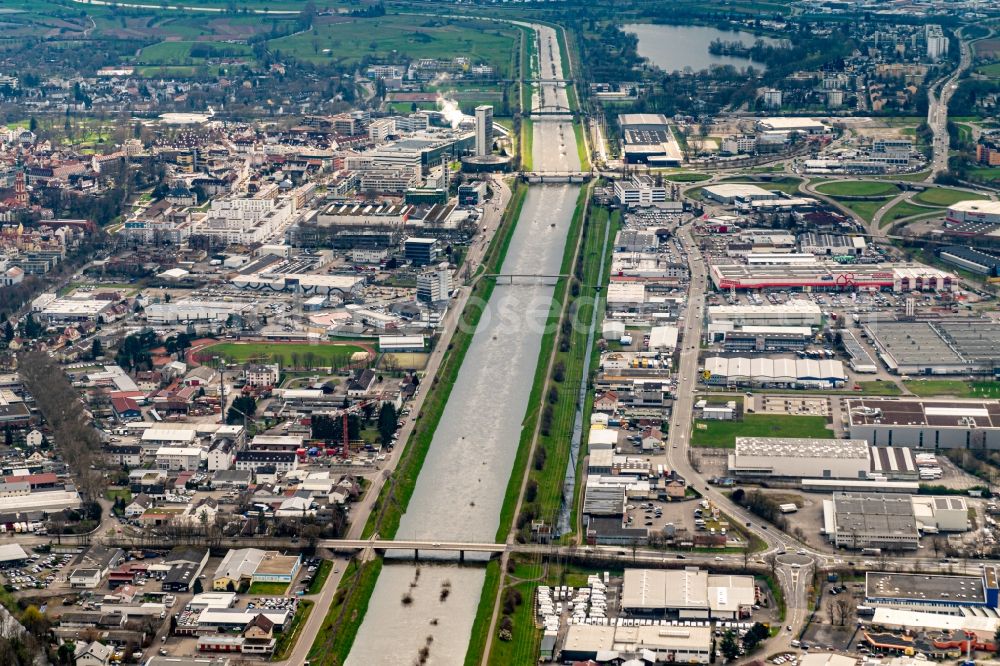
{"type": "Point", "coordinates": [532, 276]}
{"type": "Point", "coordinates": [556, 176]}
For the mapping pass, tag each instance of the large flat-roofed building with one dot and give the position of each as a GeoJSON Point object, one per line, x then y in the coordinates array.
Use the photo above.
{"type": "Point", "coordinates": [791, 313]}
{"type": "Point", "coordinates": [664, 642]}
{"type": "Point", "coordinates": [926, 424]}
{"type": "Point", "coordinates": [641, 190]}
{"type": "Point", "coordinates": [860, 359]}
{"type": "Point", "coordinates": [982, 212]}
{"type": "Point", "coordinates": [647, 139]}
{"type": "Point", "coordinates": [783, 124]}
{"type": "Point", "coordinates": [800, 457]}
{"type": "Point", "coordinates": [760, 338]}
{"type": "Point", "coordinates": [832, 245]}
{"type": "Point", "coordinates": [730, 193]}
{"type": "Point", "coordinates": [767, 372]}
{"type": "Point", "coordinates": [968, 346]}
{"type": "Point", "coordinates": [832, 276]}
{"type": "Point", "coordinates": [982, 263]}
{"type": "Point", "coordinates": [932, 592]}
{"type": "Point", "coordinates": [687, 593]}
{"type": "Point", "coordinates": [857, 521]}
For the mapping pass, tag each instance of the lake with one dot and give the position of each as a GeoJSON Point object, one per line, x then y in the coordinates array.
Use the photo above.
{"type": "Point", "coordinates": [674, 47]}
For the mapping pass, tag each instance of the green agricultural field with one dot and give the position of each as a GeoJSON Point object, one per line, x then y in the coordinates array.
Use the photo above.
{"type": "Point", "coordinates": [945, 196]}
{"type": "Point", "coordinates": [953, 387]}
{"type": "Point", "coordinates": [723, 434]}
{"type": "Point", "coordinates": [190, 53]}
{"type": "Point", "coordinates": [321, 354]}
{"type": "Point", "coordinates": [991, 71]}
{"type": "Point", "coordinates": [386, 37]}
{"type": "Point", "coordinates": [857, 188]}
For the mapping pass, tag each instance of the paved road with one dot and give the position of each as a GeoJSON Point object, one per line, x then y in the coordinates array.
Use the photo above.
{"type": "Point", "coordinates": [939, 95]}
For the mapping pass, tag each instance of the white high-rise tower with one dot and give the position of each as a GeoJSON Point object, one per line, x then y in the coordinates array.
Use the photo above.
{"type": "Point", "coordinates": [484, 130]}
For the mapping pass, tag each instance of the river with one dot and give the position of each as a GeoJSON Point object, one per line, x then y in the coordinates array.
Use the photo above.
{"type": "Point", "coordinates": [462, 483]}
{"type": "Point", "coordinates": [676, 47]}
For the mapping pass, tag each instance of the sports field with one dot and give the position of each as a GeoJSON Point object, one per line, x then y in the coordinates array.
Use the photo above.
{"type": "Point", "coordinates": [293, 354]}
{"type": "Point", "coordinates": [723, 434]}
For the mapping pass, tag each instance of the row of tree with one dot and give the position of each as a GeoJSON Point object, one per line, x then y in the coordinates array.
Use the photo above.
{"type": "Point", "coordinates": [63, 410]}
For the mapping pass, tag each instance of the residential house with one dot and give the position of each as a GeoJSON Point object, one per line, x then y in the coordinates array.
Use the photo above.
{"type": "Point", "coordinates": [138, 505]}
{"type": "Point", "coordinates": [262, 375]}
{"type": "Point", "coordinates": [258, 637]}
{"type": "Point", "coordinates": [92, 654]}
{"type": "Point", "coordinates": [362, 383]}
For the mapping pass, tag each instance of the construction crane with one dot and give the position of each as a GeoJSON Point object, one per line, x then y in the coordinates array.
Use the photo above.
{"type": "Point", "coordinates": [344, 414]}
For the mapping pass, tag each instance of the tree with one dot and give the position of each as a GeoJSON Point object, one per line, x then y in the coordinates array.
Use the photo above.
{"type": "Point", "coordinates": [96, 351]}
{"type": "Point", "coordinates": [729, 647]}
{"type": "Point", "coordinates": [387, 422]}
{"type": "Point", "coordinates": [243, 407]}
{"type": "Point", "coordinates": [35, 622]}
{"type": "Point", "coordinates": [754, 636]}
{"type": "Point", "coordinates": [8, 331]}
{"type": "Point", "coordinates": [197, 587]}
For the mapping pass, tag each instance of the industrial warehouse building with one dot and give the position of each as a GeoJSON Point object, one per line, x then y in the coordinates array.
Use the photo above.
{"type": "Point", "coordinates": [860, 360]}
{"type": "Point", "coordinates": [730, 193]}
{"type": "Point", "coordinates": [925, 424]}
{"type": "Point", "coordinates": [970, 259]}
{"type": "Point", "coordinates": [759, 338]}
{"type": "Point", "coordinates": [647, 139]}
{"type": "Point", "coordinates": [661, 643]}
{"type": "Point", "coordinates": [800, 457]}
{"type": "Point", "coordinates": [690, 593]}
{"type": "Point", "coordinates": [858, 521]}
{"type": "Point", "coordinates": [933, 592]}
{"type": "Point", "coordinates": [965, 346]}
{"type": "Point", "coordinates": [791, 313]}
{"type": "Point", "coordinates": [773, 372]}
{"type": "Point", "coordinates": [832, 276]}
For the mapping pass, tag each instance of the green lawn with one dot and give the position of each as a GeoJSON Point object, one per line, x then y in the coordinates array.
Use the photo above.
{"type": "Point", "coordinates": [723, 434]}
{"type": "Point", "coordinates": [991, 71]}
{"type": "Point", "coordinates": [298, 354]}
{"type": "Point", "coordinates": [901, 210]}
{"type": "Point", "coordinates": [340, 626]}
{"type": "Point", "coordinates": [879, 388]}
{"type": "Point", "coordinates": [686, 176]}
{"type": "Point", "coordinates": [945, 196]}
{"type": "Point", "coordinates": [864, 209]}
{"type": "Point", "coordinates": [285, 639]}
{"type": "Point", "coordinates": [319, 579]}
{"type": "Point", "coordinates": [269, 589]}
{"type": "Point", "coordinates": [857, 188]}
{"type": "Point", "coordinates": [954, 387]}
{"type": "Point", "coordinates": [111, 494]}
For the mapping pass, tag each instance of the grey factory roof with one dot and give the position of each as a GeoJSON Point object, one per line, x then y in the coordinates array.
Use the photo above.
{"type": "Point", "coordinates": [802, 447]}
{"type": "Point", "coordinates": [867, 515]}
{"type": "Point", "coordinates": [925, 587]}
{"type": "Point", "coordinates": [938, 343]}
{"type": "Point", "coordinates": [937, 413]}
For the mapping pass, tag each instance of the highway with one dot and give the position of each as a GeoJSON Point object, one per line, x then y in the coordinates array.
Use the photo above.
{"type": "Point", "coordinates": [939, 95]}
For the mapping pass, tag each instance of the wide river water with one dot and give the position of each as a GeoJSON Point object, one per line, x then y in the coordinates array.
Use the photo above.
{"type": "Point", "coordinates": [460, 491]}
